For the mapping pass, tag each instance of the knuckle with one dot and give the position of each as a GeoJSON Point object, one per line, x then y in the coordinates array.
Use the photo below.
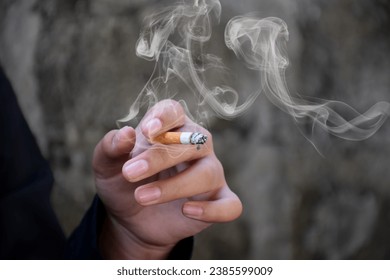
{"type": "Point", "coordinates": [155, 156]}
{"type": "Point", "coordinates": [177, 111]}
{"type": "Point", "coordinates": [169, 111]}
{"type": "Point", "coordinates": [170, 105]}
{"type": "Point", "coordinates": [157, 159]}
{"type": "Point", "coordinates": [174, 109]}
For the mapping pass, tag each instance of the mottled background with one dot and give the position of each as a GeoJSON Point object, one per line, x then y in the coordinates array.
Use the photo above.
{"type": "Point", "coordinates": [73, 66]}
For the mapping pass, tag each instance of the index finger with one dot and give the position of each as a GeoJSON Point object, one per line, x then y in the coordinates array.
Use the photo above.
{"type": "Point", "coordinates": [164, 116]}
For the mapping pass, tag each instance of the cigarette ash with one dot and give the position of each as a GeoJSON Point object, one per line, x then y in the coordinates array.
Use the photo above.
{"type": "Point", "coordinates": [198, 138]}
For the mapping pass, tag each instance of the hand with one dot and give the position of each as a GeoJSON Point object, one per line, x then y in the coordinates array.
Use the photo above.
{"type": "Point", "coordinates": [161, 194]}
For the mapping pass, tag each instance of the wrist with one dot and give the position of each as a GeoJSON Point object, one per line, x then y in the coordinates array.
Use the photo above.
{"type": "Point", "coordinates": [117, 242]}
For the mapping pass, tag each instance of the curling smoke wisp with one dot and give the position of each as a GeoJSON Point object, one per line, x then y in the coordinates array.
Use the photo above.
{"type": "Point", "coordinates": [173, 35]}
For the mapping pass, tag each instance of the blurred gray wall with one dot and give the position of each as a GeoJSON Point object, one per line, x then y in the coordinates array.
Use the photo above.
{"type": "Point", "coordinates": [73, 66]}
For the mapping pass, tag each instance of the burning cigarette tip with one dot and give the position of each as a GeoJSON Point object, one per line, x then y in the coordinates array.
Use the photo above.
{"type": "Point", "coordinates": [193, 138]}
{"type": "Point", "coordinates": [198, 138]}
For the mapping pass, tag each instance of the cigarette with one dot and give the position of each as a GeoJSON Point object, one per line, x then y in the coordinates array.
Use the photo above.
{"type": "Point", "coordinates": [193, 138]}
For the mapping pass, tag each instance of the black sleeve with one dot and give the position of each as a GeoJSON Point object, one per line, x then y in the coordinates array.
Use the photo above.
{"type": "Point", "coordinates": [83, 243]}
{"type": "Point", "coordinates": [183, 250]}
{"type": "Point", "coordinates": [28, 226]}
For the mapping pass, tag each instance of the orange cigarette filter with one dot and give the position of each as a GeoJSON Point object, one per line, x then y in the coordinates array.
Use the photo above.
{"type": "Point", "coordinates": [167, 138]}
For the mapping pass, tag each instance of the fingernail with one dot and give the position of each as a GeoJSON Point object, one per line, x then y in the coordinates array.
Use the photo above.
{"type": "Point", "coordinates": [136, 169]}
{"type": "Point", "coordinates": [192, 211]}
{"type": "Point", "coordinates": [153, 126]}
{"type": "Point", "coordinates": [148, 194]}
{"type": "Point", "coordinates": [125, 134]}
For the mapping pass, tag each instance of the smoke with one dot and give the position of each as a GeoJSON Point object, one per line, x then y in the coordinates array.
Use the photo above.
{"type": "Point", "coordinates": [174, 38]}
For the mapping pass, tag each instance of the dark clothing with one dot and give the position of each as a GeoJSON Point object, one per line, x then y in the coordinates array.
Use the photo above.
{"type": "Point", "coordinates": [28, 226]}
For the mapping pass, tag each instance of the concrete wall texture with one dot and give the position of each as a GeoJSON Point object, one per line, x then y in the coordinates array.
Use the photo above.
{"type": "Point", "coordinates": [74, 68]}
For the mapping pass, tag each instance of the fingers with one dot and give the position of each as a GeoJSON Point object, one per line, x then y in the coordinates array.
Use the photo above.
{"type": "Point", "coordinates": [205, 175]}
{"type": "Point", "coordinates": [164, 116]}
{"type": "Point", "coordinates": [204, 181]}
{"type": "Point", "coordinates": [113, 150]}
{"type": "Point", "coordinates": [225, 208]}
{"type": "Point", "coordinates": [159, 158]}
